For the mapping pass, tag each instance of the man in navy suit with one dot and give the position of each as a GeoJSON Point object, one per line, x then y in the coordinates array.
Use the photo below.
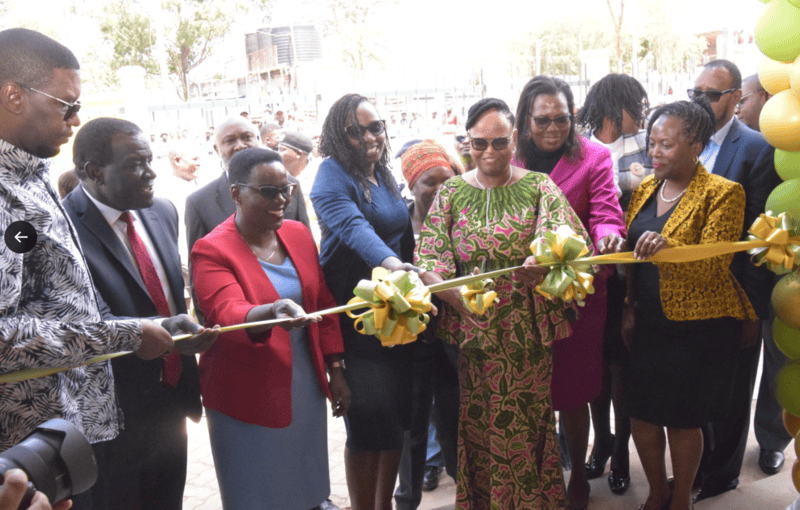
{"type": "Point", "coordinates": [740, 154]}
{"type": "Point", "coordinates": [130, 243]}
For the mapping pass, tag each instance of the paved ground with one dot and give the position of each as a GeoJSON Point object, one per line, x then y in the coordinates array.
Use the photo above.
{"type": "Point", "coordinates": [756, 490]}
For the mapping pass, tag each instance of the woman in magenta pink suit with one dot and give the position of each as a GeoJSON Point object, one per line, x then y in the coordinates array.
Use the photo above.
{"type": "Point", "coordinates": [582, 169]}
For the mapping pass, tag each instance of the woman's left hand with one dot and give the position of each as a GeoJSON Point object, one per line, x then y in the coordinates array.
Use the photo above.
{"type": "Point", "coordinates": [530, 273]}
{"type": "Point", "coordinates": [340, 393]}
{"type": "Point", "coordinates": [648, 245]}
{"type": "Point", "coordinates": [612, 243]}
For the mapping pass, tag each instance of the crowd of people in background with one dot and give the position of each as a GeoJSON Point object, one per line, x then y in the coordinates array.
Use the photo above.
{"type": "Point", "coordinates": [254, 220]}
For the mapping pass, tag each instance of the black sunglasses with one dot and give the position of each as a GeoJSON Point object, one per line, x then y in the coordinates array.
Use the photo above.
{"type": "Point", "coordinates": [270, 192]}
{"type": "Point", "coordinates": [544, 122]}
{"type": "Point", "coordinates": [357, 131]}
{"type": "Point", "coordinates": [712, 95]}
{"type": "Point", "coordinates": [498, 144]}
{"type": "Point", "coordinates": [460, 138]}
{"type": "Point", "coordinates": [72, 108]}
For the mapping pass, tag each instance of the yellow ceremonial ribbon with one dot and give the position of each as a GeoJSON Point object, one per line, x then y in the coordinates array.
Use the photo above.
{"type": "Point", "coordinates": [476, 297]}
{"type": "Point", "coordinates": [569, 277]}
{"type": "Point", "coordinates": [782, 253]}
{"type": "Point", "coordinates": [398, 303]}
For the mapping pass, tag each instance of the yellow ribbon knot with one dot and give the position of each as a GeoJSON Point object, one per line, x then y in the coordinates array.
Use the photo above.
{"type": "Point", "coordinates": [567, 279]}
{"type": "Point", "coordinates": [476, 297]}
{"type": "Point", "coordinates": [782, 253]}
{"type": "Point", "coordinates": [399, 304]}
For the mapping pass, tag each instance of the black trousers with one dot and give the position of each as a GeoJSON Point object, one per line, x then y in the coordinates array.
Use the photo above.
{"type": "Point", "coordinates": [725, 441]}
{"type": "Point", "coordinates": [435, 378]}
{"type": "Point", "coordinates": [143, 468]}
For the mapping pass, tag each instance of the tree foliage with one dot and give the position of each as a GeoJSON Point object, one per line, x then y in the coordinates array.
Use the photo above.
{"type": "Point", "coordinates": [192, 29]}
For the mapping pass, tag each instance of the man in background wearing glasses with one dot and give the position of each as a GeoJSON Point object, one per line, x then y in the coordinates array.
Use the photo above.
{"type": "Point", "coordinates": [50, 314]}
{"type": "Point", "coordinates": [740, 154]}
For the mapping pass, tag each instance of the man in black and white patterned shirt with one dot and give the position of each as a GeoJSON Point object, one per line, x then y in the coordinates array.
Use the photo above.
{"type": "Point", "coordinates": [50, 315]}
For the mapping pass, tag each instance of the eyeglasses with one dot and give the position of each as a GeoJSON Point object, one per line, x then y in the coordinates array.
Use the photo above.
{"type": "Point", "coordinates": [498, 144]}
{"type": "Point", "coordinates": [72, 108]}
{"type": "Point", "coordinates": [460, 138]}
{"type": "Point", "coordinates": [270, 192]}
{"type": "Point", "coordinates": [712, 95]}
{"type": "Point", "coordinates": [357, 131]}
{"type": "Point", "coordinates": [544, 122]}
{"type": "Point", "coordinates": [741, 101]}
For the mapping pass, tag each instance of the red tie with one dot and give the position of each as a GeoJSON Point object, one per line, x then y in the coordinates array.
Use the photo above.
{"type": "Point", "coordinates": [172, 363]}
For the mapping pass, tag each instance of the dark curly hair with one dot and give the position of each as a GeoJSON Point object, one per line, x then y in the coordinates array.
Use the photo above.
{"type": "Point", "coordinates": [335, 143]}
{"type": "Point", "coordinates": [609, 97]}
{"type": "Point", "coordinates": [698, 119]}
{"type": "Point", "coordinates": [534, 88]}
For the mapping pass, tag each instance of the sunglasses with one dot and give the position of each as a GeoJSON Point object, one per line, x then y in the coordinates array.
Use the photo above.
{"type": "Point", "coordinates": [712, 95]}
{"type": "Point", "coordinates": [742, 100]}
{"type": "Point", "coordinates": [72, 108]}
{"type": "Point", "coordinates": [270, 192]}
{"type": "Point", "coordinates": [357, 131]}
{"type": "Point", "coordinates": [498, 144]}
{"type": "Point", "coordinates": [544, 122]}
{"type": "Point", "coordinates": [460, 138]}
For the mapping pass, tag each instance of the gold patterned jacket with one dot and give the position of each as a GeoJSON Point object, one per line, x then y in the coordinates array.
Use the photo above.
{"type": "Point", "coordinates": [711, 211]}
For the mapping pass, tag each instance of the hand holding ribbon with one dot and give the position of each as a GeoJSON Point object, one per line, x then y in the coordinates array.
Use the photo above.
{"type": "Point", "coordinates": [399, 302]}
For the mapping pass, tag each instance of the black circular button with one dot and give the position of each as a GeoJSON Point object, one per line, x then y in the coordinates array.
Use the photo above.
{"type": "Point", "coordinates": [20, 237]}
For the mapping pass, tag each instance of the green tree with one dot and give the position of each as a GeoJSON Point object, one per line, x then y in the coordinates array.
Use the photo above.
{"type": "Point", "coordinates": [617, 20]}
{"type": "Point", "coordinates": [192, 30]}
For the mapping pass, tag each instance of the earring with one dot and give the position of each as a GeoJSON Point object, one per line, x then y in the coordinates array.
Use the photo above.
{"type": "Point", "coordinates": [696, 160]}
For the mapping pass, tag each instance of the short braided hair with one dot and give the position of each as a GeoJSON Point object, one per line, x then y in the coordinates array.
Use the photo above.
{"type": "Point", "coordinates": [698, 119]}
{"type": "Point", "coordinates": [609, 97]}
{"type": "Point", "coordinates": [335, 143]}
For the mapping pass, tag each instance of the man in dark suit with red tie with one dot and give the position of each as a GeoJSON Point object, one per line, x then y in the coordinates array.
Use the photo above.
{"type": "Point", "coordinates": [130, 243]}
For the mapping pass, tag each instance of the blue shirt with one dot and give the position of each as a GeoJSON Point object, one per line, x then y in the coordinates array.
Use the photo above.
{"type": "Point", "coordinates": [357, 235]}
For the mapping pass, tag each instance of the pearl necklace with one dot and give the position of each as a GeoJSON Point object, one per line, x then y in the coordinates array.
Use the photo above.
{"type": "Point", "coordinates": [663, 185]}
{"type": "Point", "coordinates": [510, 175]}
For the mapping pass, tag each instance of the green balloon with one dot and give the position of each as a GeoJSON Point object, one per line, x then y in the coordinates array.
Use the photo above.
{"type": "Point", "coordinates": [786, 338]}
{"type": "Point", "coordinates": [787, 387]}
{"type": "Point", "coordinates": [787, 164]}
{"type": "Point", "coordinates": [785, 198]}
{"type": "Point", "coordinates": [777, 31]}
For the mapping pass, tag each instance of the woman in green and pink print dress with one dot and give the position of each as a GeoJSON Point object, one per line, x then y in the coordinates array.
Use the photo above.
{"type": "Point", "coordinates": [486, 219]}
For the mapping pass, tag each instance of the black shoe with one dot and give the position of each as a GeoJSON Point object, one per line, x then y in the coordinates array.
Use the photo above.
{"type": "Point", "coordinates": [619, 481]}
{"type": "Point", "coordinates": [431, 479]}
{"type": "Point", "coordinates": [770, 461]}
{"type": "Point", "coordinates": [596, 464]}
{"type": "Point", "coordinates": [326, 505]}
{"type": "Point", "coordinates": [710, 491]}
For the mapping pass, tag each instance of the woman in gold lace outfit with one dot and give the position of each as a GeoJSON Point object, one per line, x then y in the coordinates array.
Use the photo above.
{"type": "Point", "coordinates": [684, 321]}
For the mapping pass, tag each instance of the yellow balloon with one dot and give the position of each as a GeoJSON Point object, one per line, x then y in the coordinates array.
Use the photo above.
{"type": "Point", "coordinates": [794, 76]}
{"type": "Point", "coordinates": [780, 121]}
{"type": "Point", "coordinates": [774, 75]}
{"type": "Point", "coordinates": [792, 423]}
{"type": "Point", "coordinates": [786, 301]}
{"type": "Point", "coordinates": [796, 474]}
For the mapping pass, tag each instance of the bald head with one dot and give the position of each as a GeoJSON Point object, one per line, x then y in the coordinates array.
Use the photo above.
{"type": "Point", "coordinates": [233, 135]}
{"type": "Point", "coordinates": [748, 110]}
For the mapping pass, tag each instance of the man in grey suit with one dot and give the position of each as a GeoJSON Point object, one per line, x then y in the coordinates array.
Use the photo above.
{"type": "Point", "coordinates": [212, 204]}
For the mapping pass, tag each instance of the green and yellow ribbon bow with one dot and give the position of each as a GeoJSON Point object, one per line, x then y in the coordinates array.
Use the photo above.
{"type": "Point", "coordinates": [477, 297]}
{"type": "Point", "coordinates": [567, 279]}
{"type": "Point", "coordinates": [399, 303]}
{"type": "Point", "coordinates": [782, 253]}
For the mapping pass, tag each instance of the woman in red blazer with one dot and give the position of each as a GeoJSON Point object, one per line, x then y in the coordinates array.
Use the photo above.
{"type": "Point", "coordinates": [264, 389]}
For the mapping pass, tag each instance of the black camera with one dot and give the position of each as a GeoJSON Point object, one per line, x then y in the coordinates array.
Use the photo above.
{"type": "Point", "coordinates": [57, 459]}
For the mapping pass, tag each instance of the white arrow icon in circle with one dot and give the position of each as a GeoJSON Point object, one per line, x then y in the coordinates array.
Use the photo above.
{"type": "Point", "coordinates": [18, 237]}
